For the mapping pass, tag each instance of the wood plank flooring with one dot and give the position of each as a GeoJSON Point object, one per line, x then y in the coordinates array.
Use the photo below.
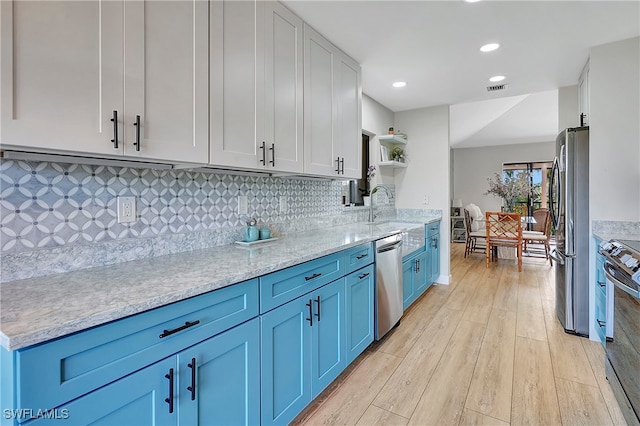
{"type": "Point", "coordinates": [485, 350]}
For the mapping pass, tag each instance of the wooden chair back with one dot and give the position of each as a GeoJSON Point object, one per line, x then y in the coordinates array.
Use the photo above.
{"type": "Point", "coordinates": [542, 216]}
{"type": "Point", "coordinates": [504, 230]}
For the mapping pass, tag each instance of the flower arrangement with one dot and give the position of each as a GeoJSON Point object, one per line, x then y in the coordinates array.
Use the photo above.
{"type": "Point", "coordinates": [510, 187]}
{"type": "Point", "coordinates": [371, 172]}
{"type": "Point", "coordinates": [397, 154]}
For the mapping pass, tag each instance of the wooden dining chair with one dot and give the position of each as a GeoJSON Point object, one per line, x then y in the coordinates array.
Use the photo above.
{"type": "Point", "coordinates": [533, 238]}
{"type": "Point", "coordinates": [472, 236]}
{"type": "Point", "coordinates": [503, 230]}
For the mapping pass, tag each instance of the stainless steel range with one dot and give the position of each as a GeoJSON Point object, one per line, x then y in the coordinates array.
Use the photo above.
{"type": "Point", "coordinates": [622, 269]}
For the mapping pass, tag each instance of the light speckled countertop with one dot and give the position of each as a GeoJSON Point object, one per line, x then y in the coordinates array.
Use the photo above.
{"type": "Point", "coordinates": [40, 309]}
{"type": "Point", "coordinates": [606, 236]}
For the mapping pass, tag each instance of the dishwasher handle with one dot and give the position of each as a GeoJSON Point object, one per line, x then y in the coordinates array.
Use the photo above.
{"type": "Point", "coordinates": [389, 247]}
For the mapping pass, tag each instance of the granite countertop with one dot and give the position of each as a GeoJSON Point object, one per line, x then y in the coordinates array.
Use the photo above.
{"type": "Point", "coordinates": [40, 309]}
{"type": "Point", "coordinates": [606, 236]}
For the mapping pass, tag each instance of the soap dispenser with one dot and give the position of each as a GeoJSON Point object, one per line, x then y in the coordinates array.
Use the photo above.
{"type": "Point", "coordinates": [251, 232]}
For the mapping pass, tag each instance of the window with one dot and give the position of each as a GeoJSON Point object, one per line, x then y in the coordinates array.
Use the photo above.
{"type": "Point", "coordinates": [539, 177]}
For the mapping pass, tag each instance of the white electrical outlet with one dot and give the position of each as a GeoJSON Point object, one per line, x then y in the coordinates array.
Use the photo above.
{"type": "Point", "coordinates": [243, 205]}
{"type": "Point", "coordinates": [426, 200]}
{"type": "Point", "coordinates": [126, 209]}
{"type": "Point", "coordinates": [284, 205]}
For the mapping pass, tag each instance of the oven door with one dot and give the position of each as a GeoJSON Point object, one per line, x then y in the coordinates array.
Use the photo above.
{"type": "Point", "coordinates": [623, 352]}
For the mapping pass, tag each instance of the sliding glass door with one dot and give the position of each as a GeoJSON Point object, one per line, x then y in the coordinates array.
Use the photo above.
{"type": "Point", "coordinates": [539, 174]}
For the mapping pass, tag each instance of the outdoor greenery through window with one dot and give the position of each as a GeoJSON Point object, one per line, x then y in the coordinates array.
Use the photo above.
{"type": "Point", "coordinates": [539, 176]}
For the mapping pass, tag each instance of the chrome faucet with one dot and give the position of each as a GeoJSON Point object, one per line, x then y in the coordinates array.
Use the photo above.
{"type": "Point", "coordinates": [372, 217]}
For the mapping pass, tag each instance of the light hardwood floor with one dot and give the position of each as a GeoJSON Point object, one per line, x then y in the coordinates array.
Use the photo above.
{"type": "Point", "coordinates": [485, 350]}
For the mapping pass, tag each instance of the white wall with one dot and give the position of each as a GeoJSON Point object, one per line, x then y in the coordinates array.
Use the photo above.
{"type": "Point", "coordinates": [568, 107]}
{"type": "Point", "coordinates": [427, 173]}
{"type": "Point", "coordinates": [472, 167]}
{"type": "Point", "coordinates": [614, 149]}
{"type": "Point", "coordinates": [376, 120]}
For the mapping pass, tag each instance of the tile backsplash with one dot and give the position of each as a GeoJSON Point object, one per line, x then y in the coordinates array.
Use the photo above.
{"type": "Point", "coordinates": [47, 205]}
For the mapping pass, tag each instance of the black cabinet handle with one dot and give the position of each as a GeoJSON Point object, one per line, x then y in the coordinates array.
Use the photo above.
{"type": "Point", "coordinates": [273, 154]}
{"type": "Point", "coordinates": [264, 153]}
{"type": "Point", "coordinates": [137, 124]}
{"type": "Point", "coordinates": [170, 399]}
{"type": "Point", "coordinates": [310, 319]}
{"type": "Point", "coordinates": [312, 277]}
{"type": "Point", "coordinates": [342, 165]}
{"type": "Point", "coordinates": [114, 120]}
{"type": "Point", "coordinates": [192, 388]}
{"type": "Point", "coordinates": [435, 243]}
{"type": "Point", "coordinates": [601, 284]}
{"type": "Point", "coordinates": [186, 325]}
{"type": "Point", "coordinates": [362, 256]}
{"type": "Point", "coordinates": [318, 302]}
{"type": "Point", "coordinates": [417, 265]}
{"type": "Point", "coordinates": [601, 323]}
{"type": "Point", "coordinates": [338, 165]}
{"type": "Point", "coordinates": [363, 276]}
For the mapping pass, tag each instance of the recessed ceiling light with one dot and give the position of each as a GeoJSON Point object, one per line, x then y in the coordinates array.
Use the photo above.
{"type": "Point", "coordinates": [471, 1]}
{"type": "Point", "coordinates": [489, 47]}
{"type": "Point", "coordinates": [399, 84]}
{"type": "Point", "coordinates": [497, 78]}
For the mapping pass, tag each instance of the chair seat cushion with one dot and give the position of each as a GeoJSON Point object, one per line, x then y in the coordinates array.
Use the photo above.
{"type": "Point", "coordinates": [478, 234]}
{"type": "Point", "coordinates": [525, 233]}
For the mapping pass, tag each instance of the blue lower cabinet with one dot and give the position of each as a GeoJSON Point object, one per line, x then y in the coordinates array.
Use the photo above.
{"type": "Point", "coordinates": [433, 248]}
{"type": "Point", "coordinates": [286, 361]}
{"type": "Point", "coordinates": [415, 276]}
{"type": "Point", "coordinates": [328, 341]}
{"type": "Point", "coordinates": [219, 379]}
{"type": "Point", "coordinates": [303, 350]}
{"type": "Point", "coordinates": [138, 399]}
{"type": "Point", "coordinates": [360, 291]}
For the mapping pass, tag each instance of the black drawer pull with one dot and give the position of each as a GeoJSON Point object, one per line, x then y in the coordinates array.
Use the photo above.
{"type": "Point", "coordinates": [601, 284]}
{"type": "Point", "coordinates": [192, 388]}
{"type": "Point", "coordinates": [310, 319]}
{"type": "Point", "coordinates": [273, 154]}
{"type": "Point", "coordinates": [362, 256]}
{"type": "Point", "coordinates": [318, 302]}
{"type": "Point", "coordinates": [264, 153]}
{"type": "Point", "coordinates": [137, 124]}
{"type": "Point", "coordinates": [601, 323]}
{"type": "Point", "coordinates": [170, 399]}
{"type": "Point", "coordinates": [186, 325]}
{"type": "Point", "coordinates": [312, 277]}
{"type": "Point", "coordinates": [338, 165]}
{"type": "Point", "coordinates": [417, 265]}
{"type": "Point", "coordinates": [363, 276]}
{"type": "Point", "coordinates": [114, 120]}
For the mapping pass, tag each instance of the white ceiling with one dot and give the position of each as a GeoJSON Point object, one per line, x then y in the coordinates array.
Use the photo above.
{"type": "Point", "coordinates": [434, 47]}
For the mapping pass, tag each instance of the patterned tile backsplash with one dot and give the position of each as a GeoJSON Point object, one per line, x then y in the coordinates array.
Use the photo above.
{"type": "Point", "coordinates": [47, 205]}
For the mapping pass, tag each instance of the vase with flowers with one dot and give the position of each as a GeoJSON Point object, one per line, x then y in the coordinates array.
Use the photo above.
{"type": "Point", "coordinates": [371, 172]}
{"type": "Point", "coordinates": [512, 186]}
{"type": "Point", "coordinates": [397, 154]}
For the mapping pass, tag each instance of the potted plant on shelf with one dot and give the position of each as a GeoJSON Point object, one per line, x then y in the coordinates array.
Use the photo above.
{"type": "Point", "coordinates": [511, 186]}
{"type": "Point", "coordinates": [371, 172]}
{"type": "Point", "coordinates": [397, 154]}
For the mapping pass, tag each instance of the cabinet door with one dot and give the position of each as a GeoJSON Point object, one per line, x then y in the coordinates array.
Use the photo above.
{"type": "Point", "coordinates": [166, 80]}
{"type": "Point", "coordinates": [226, 379]}
{"type": "Point", "coordinates": [408, 290]}
{"type": "Point", "coordinates": [320, 105]}
{"type": "Point", "coordinates": [285, 361]}
{"type": "Point", "coordinates": [62, 75]}
{"type": "Point", "coordinates": [233, 67]}
{"type": "Point", "coordinates": [434, 257]}
{"type": "Point", "coordinates": [138, 399]}
{"type": "Point", "coordinates": [422, 272]}
{"type": "Point", "coordinates": [279, 121]}
{"type": "Point", "coordinates": [328, 354]}
{"type": "Point", "coordinates": [359, 320]}
{"type": "Point", "coordinates": [348, 138]}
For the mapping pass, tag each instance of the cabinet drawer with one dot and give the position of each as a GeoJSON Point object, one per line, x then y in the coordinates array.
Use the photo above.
{"type": "Point", "coordinates": [358, 257]}
{"type": "Point", "coordinates": [280, 287]}
{"type": "Point", "coordinates": [601, 317]}
{"type": "Point", "coordinates": [433, 228]}
{"type": "Point", "coordinates": [52, 373]}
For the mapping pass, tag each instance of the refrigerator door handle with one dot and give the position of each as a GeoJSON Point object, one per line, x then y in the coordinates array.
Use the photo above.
{"type": "Point", "coordinates": [554, 255]}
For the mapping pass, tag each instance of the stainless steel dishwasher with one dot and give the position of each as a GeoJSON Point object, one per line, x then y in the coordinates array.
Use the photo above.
{"type": "Point", "coordinates": [388, 284]}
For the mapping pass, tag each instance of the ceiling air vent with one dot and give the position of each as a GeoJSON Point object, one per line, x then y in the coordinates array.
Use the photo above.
{"type": "Point", "coordinates": [496, 87]}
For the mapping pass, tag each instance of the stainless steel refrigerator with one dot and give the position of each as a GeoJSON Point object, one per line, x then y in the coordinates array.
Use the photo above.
{"type": "Point", "coordinates": [569, 205]}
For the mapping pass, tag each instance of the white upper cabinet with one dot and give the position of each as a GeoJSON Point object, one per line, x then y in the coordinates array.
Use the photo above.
{"type": "Point", "coordinates": [68, 69]}
{"type": "Point", "coordinates": [332, 109]}
{"type": "Point", "coordinates": [62, 75]}
{"type": "Point", "coordinates": [583, 94]}
{"type": "Point", "coordinates": [256, 86]}
{"type": "Point", "coordinates": [167, 80]}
